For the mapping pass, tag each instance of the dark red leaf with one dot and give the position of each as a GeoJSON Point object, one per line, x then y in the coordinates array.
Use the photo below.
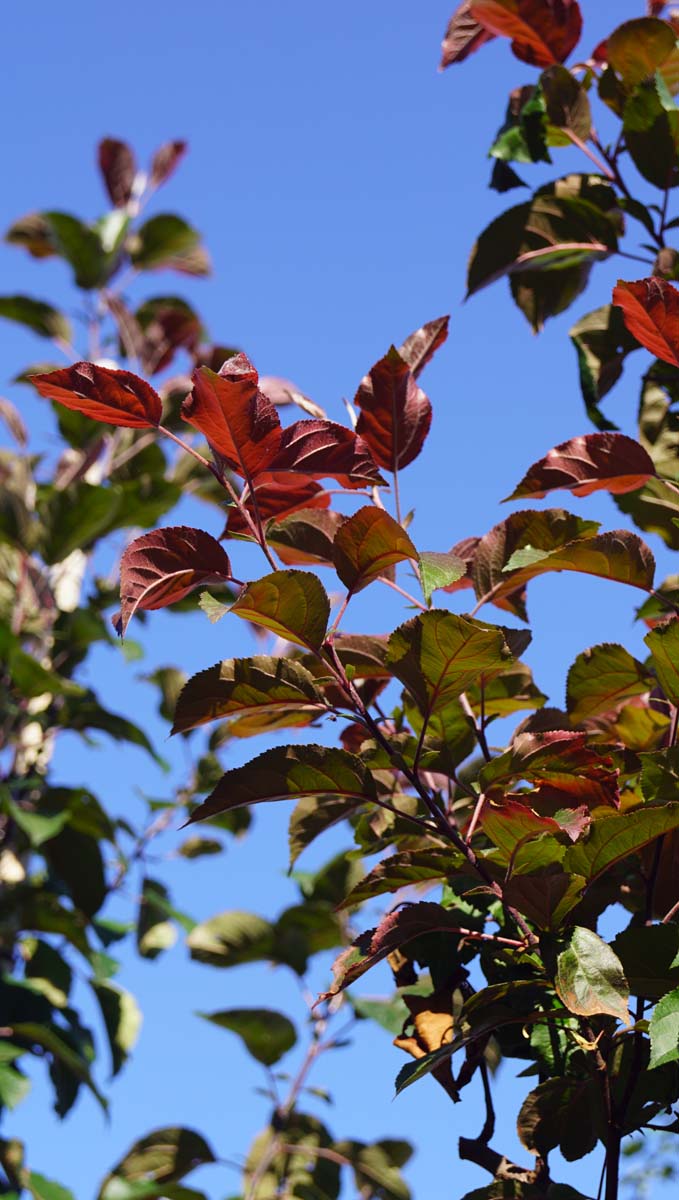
{"type": "Point", "coordinates": [463, 36]}
{"type": "Point", "coordinates": [278, 495]}
{"type": "Point", "coordinates": [322, 449]}
{"type": "Point", "coordinates": [651, 313]}
{"type": "Point", "coordinates": [165, 161]}
{"type": "Point", "coordinates": [607, 462]}
{"type": "Point", "coordinates": [114, 397]}
{"type": "Point", "coordinates": [421, 346]}
{"type": "Point", "coordinates": [118, 167]}
{"type": "Point", "coordinates": [543, 32]}
{"type": "Point", "coordinates": [162, 567]}
{"type": "Point", "coordinates": [240, 424]}
{"type": "Point", "coordinates": [395, 414]}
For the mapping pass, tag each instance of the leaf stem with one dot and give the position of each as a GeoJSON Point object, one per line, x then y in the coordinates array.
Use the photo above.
{"type": "Point", "coordinates": [402, 592]}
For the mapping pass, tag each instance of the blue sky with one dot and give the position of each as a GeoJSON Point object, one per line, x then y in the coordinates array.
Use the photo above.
{"type": "Point", "coordinates": [339, 181]}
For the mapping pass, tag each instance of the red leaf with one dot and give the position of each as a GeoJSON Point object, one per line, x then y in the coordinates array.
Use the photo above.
{"type": "Point", "coordinates": [543, 32]}
{"type": "Point", "coordinates": [650, 310]}
{"type": "Point", "coordinates": [240, 424]}
{"type": "Point", "coordinates": [162, 567]}
{"type": "Point", "coordinates": [118, 167]}
{"type": "Point", "coordinates": [322, 449]}
{"type": "Point", "coordinates": [421, 346]}
{"type": "Point", "coordinates": [277, 496]}
{"type": "Point", "coordinates": [165, 161]}
{"type": "Point", "coordinates": [114, 397]}
{"type": "Point", "coordinates": [395, 413]}
{"type": "Point", "coordinates": [607, 462]}
{"type": "Point", "coordinates": [463, 36]}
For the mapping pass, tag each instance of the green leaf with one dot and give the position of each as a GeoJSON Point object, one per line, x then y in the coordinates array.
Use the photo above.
{"type": "Point", "coordinates": [613, 837]}
{"type": "Point", "coordinates": [28, 675]}
{"type": "Point", "coordinates": [154, 932]}
{"type": "Point", "coordinates": [663, 642]}
{"type": "Point", "coordinates": [198, 847]}
{"type": "Point", "coordinates": [212, 607]}
{"type": "Point", "coordinates": [590, 979]}
{"type": "Point", "coordinates": [563, 1112]}
{"type": "Point", "coordinates": [602, 342]}
{"type": "Point", "coordinates": [651, 127]}
{"type": "Point", "coordinates": [601, 678]}
{"type": "Point", "coordinates": [660, 775]}
{"type": "Point", "coordinates": [367, 545]}
{"type": "Point", "coordinates": [618, 555]}
{"type": "Point", "coordinates": [654, 508]}
{"type": "Point", "coordinates": [439, 571]}
{"type": "Point", "coordinates": [244, 686]}
{"type": "Point", "coordinates": [437, 655]}
{"type": "Point", "coordinates": [637, 48]}
{"type": "Point", "coordinates": [648, 954]}
{"type": "Point", "coordinates": [75, 517]}
{"type": "Point", "coordinates": [390, 1013]}
{"type": "Point", "coordinates": [376, 1167]}
{"type": "Point", "coordinates": [45, 1189]}
{"type": "Point", "coordinates": [231, 938]}
{"type": "Point", "coordinates": [311, 816]}
{"type": "Point", "coordinates": [54, 1043]}
{"type": "Point", "coordinates": [287, 773]}
{"type": "Point", "coordinates": [37, 827]}
{"type": "Point", "coordinates": [664, 1030]}
{"type": "Point", "coordinates": [80, 245]}
{"type": "Point", "coordinates": [566, 101]}
{"type": "Point", "coordinates": [164, 1156]}
{"type": "Point", "coordinates": [122, 1018]}
{"type": "Point", "coordinates": [547, 232]}
{"type": "Point", "coordinates": [42, 318]}
{"type": "Point", "coordinates": [292, 604]}
{"type": "Point", "coordinates": [402, 870]}
{"type": "Point", "coordinates": [167, 241]}
{"type": "Point", "coordinates": [266, 1034]}
{"type": "Point", "coordinates": [14, 1087]}
{"type": "Point", "coordinates": [47, 970]}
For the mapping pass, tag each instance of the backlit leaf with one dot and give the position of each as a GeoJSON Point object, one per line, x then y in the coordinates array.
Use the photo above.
{"type": "Point", "coordinates": [292, 604]}
{"type": "Point", "coordinates": [42, 318]}
{"type": "Point", "coordinates": [164, 1156]}
{"type": "Point", "coordinates": [439, 571]}
{"type": "Point", "coordinates": [542, 31]}
{"type": "Point", "coordinates": [548, 232]}
{"type": "Point", "coordinates": [590, 979]}
{"type": "Point", "coordinates": [602, 342]}
{"type": "Point", "coordinates": [637, 48]}
{"type": "Point", "coordinates": [168, 241]}
{"type": "Point", "coordinates": [114, 397]}
{"type": "Point", "coordinates": [367, 544]}
{"type": "Point", "coordinates": [617, 555]}
{"type": "Point", "coordinates": [562, 1112]}
{"type": "Point", "coordinates": [395, 930]}
{"type": "Point", "coordinates": [394, 413]}
{"type": "Point", "coordinates": [648, 954]}
{"type": "Point", "coordinates": [664, 1030]}
{"type": "Point", "coordinates": [598, 461]}
{"type": "Point", "coordinates": [166, 160]}
{"type": "Point", "coordinates": [122, 1019]}
{"type": "Point", "coordinates": [279, 495]}
{"type": "Point", "coordinates": [240, 686]}
{"type": "Point", "coordinates": [289, 773]}
{"type": "Point", "coordinates": [601, 678]}
{"type": "Point", "coordinates": [162, 567]}
{"type": "Point", "coordinates": [266, 1034]}
{"type": "Point", "coordinates": [323, 449]}
{"type": "Point", "coordinates": [616, 836]}
{"type": "Point", "coordinates": [420, 347]}
{"type": "Point", "coordinates": [663, 642]}
{"type": "Point", "coordinates": [231, 938]}
{"type": "Point", "coordinates": [56, 1045]}
{"type": "Point", "coordinates": [437, 655]}
{"type": "Point", "coordinates": [463, 36]}
{"type": "Point", "coordinates": [305, 537]}
{"type": "Point", "coordinates": [402, 870]}
{"type": "Point", "coordinates": [311, 816]}
{"type": "Point", "coordinates": [651, 313]}
{"type": "Point", "coordinates": [239, 422]}
{"type": "Point", "coordinates": [566, 101]}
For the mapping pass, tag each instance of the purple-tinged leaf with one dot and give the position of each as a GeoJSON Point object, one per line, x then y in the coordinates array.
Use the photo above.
{"type": "Point", "coordinates": [651, 313]}
{"type": "Point", "coordinates": [162, 567]}
{"type": "Point", "coordinates": [114, 397]}
{"type": "Point", "coordinates": [394, 413]}
{"type": "Point", "coordinates": [367, 545]}
{"type": "Point", "coordinates": [607, 462]}
{"type": "Point", "coordinates": [118, 167]}
{"type": "Point", "coordinates": [292, 604]}
{"type": "Point", "coordinates": [464, 35]}
{"type": "Point", "coordinates": [420, 347]}
{"type": "Point", "coordinates": [240, 686]}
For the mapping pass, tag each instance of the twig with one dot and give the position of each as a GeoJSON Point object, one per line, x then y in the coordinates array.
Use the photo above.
{"type": "Point", "coordinates": [390, 583]}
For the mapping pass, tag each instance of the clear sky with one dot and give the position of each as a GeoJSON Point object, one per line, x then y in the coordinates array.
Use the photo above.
{"type": "Point", "coordinates": [339, 181]}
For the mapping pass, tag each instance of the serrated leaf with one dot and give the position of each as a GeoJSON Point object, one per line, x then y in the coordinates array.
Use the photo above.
{"type": "Point", "coordinates": [266, 1034]}
{"type": "Point", "coordinates": [463, 36]}
{"type": "Point", "coordinates": [650, 310]}
{"type": "Point", "coordinates": [590, 979]}
{"type": "Point", "coordinates": [240, 686]}
{"type": "Point", "coordinates": [403, 870]}
{"type": "Point", "coordinates": [394, 413]}
{"type": "Point", "coordinates": [292, 604]}
{"type": "Point", "coordinates": [612, 838]}
{"type": "Point", "coordinates": [288, 773]}
{"type": "Point", "coordinates": [664, 1030]}
{"type": "Point", "coordinates": [162, 567]}
{"type": "Point", "coordinates": [601, 678]}
{"type": "Point", "coordinates": [114, 397]}
{"type": "Point", "coordinates": [305, 536]}
{"type": "Point", "coordinates": [420, 347]}
{"type": "Point", "coordinates": [607, 462]}
{"type": "Point", "coordinates": [367, 544]}
{"type": "Point", "coordinates": [541, 34]}
{"type": "Point", "coordinates": [663, 642]}
{"type": "Point", "coordinates": [637, 48]}
{"type": "Point", "coordinates": [439, 571]}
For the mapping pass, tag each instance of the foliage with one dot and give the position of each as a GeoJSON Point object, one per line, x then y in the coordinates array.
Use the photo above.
{"type": "Point", "coordinates": [528, 844]}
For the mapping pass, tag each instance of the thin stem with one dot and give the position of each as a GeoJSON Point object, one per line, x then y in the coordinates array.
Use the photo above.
{"type": "Point", "coordinates": [475, 817]}
{"type": "Point", "coordinates": [397, 496]}
{"type": "Point", "coordinates": [489, 1123]}
{"type": "Point", "coordinates": [663, 214]}
{"type": "Point", "coordinates": [479, 733]}
{"type": "Point", "coordinates": [598, 163]}
{"type": "Point", "coordinates": [190, 450]}
{"type": "Point", "coordinates": [340, 613]}
{"type": "Point", "coordinates": [635, 257]}
{"type": "Point", "coordinates": [395, 587]}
